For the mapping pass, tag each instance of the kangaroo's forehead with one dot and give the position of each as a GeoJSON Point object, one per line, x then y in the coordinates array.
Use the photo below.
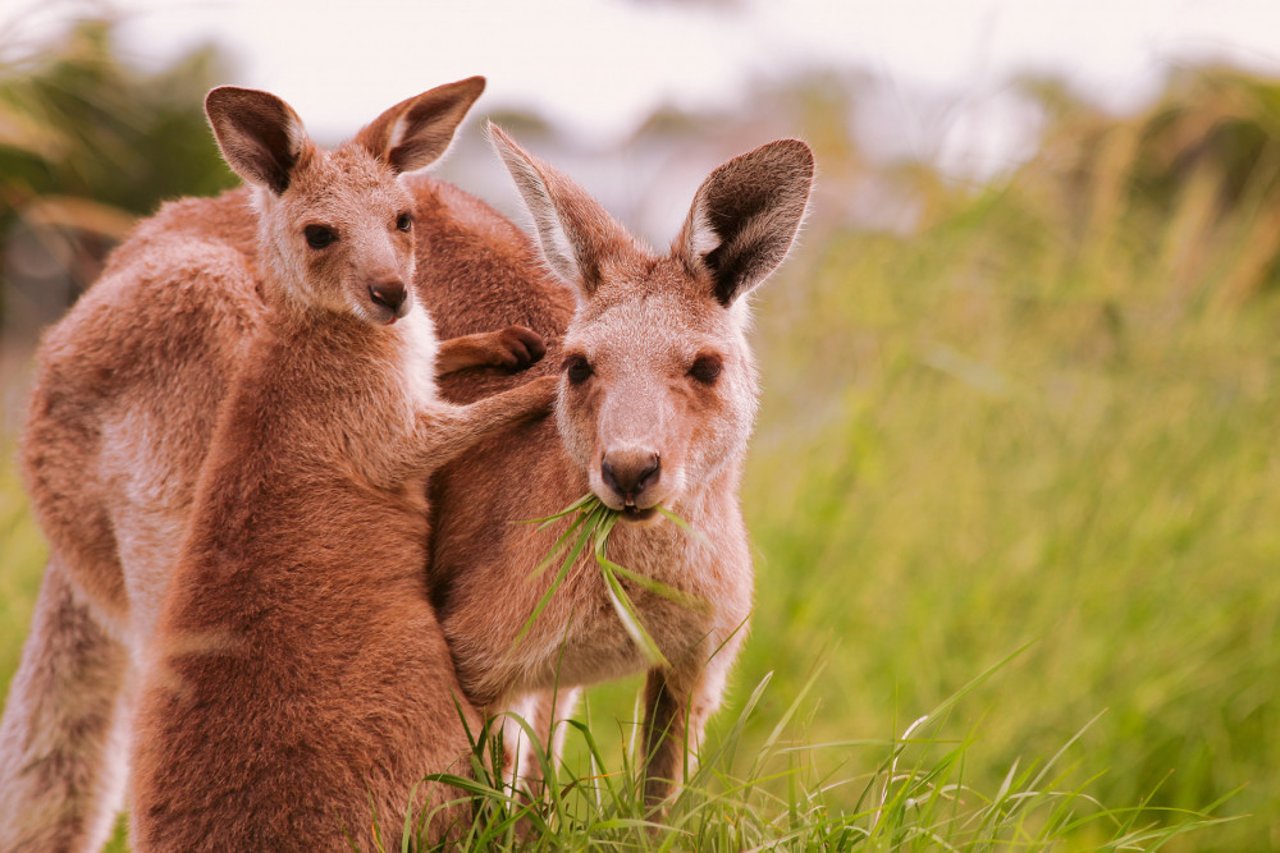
{"type": "Point", "coordinates": [640, 285]}
{"type": "Point", "coordinates": [345, 182]}
{"type": "Point", "coordinates": [656, 322]}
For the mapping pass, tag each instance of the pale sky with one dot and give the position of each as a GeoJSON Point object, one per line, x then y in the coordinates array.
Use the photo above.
{"type": "Point", "coordinates": [599, 66]}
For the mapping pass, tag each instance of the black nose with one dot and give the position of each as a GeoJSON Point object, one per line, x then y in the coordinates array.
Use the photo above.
{"type": "Point", "coordinates": [630, 472]}
{"type": "Point", "coordinates": [390, 294]}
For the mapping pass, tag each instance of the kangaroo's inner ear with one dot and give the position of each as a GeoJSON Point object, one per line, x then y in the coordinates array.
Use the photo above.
{"type": "Point", "coordinates": [417, 131]}
{"type": "Point", "coordinates": [745, 216]}
{"type": "Point", "coordinates": [260, 136]}
{"type": "Point", "coordinates": [575, 233]}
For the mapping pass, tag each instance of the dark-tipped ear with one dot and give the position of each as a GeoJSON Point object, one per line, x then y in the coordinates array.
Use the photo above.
{"type": "Point", "coordinates": [261, 137]}
{"type": "Point", "coordinates": [574, 231]}
{"type": "Point", "coordinates": [415, 132]}
{"type": "Point", "coordinates": [745, 217]}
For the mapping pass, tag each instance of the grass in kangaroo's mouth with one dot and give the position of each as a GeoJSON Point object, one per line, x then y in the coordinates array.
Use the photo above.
{"type": "Point", "coordinates": [591, 523]}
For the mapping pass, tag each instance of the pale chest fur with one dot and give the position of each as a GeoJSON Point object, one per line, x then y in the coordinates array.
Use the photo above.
{"type": "Point", "coordinates": [417, 363]}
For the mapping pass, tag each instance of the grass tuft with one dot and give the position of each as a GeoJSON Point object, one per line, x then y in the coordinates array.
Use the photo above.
{"type": "Point", "coordinates": [591, 522]}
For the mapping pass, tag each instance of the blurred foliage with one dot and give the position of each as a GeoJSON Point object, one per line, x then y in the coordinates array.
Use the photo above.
{"type": "Point", "coordinates": [88, 139]}
{"type": "Point", "coordinates": [1200, 168]}
{"type": "Point", "coordinates": [1046, 414]}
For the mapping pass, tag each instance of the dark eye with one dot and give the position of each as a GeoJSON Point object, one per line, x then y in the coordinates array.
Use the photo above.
{"type": "Point", "coordinates": [319, 236]}
{"type": "Point", "coordinates": [404, 221]}
{"type": "Point", "coordinates": [578, 369]}
{"type": "Point", "coordinates": [706, 368]}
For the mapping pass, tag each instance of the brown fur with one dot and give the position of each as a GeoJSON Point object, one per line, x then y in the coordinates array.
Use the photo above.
{"type": "Point", "coordinates": [298, 678]}
{"type": "Point", "coordinates": [121, 418]}
{"type": "Point", "coordinates": [652, 329]}
{"type": "Point", "coordinates": [70, 731]}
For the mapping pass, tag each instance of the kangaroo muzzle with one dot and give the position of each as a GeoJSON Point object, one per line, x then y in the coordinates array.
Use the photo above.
{"type": "Point", "coordinates": [630, 473]}
{"type": "Point", "coordinates": [391, 296]}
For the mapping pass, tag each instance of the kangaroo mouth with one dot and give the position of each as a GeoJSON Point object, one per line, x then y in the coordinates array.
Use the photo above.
{"type": "Point", "coordinates": [625, 505]}
{"type": "Point", "coordinates": [385, 316]}
{"type": "Point", "coordinates": [631, 512]}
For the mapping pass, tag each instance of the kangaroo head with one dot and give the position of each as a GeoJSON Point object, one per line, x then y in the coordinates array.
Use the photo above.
{"type": "Point", "coordinates": [336, 227]}
{"type": "Point", "coordinates": [658, 392]}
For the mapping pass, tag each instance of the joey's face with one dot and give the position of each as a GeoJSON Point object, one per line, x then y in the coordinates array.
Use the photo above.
{"type": "Point", "coordinates": [657, 391]}
{"type": "Point", "coordinates": [336, 227]}
{"type": "Point", "coordinates": [341, 233]}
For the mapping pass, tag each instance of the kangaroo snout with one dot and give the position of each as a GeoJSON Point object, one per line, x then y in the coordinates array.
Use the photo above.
{"type": "Point", "coordinates": [630, 472]}
{"type": "Point", "coordinates": [391, 295]}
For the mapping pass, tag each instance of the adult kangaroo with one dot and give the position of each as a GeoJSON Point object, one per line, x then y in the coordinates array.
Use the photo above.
{"type": "Point", "coordinates": [127, 392]}
{"type": "Point", "coordinates": [657, 400]}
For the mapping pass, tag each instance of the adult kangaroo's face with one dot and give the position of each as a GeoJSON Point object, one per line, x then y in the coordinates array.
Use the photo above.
{"type": "Point", "coordinates": [658, 389]}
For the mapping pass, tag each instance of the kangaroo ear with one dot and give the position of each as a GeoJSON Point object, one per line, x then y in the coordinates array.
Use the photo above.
{"type": "Point", "coordinates": [576, 234]}
{"type": "Point", "coordinates": [415, 132]}
{"type": "Point", "coordinates": [261, 137]}
{"type": "Point", "coordinates": [745, 217]}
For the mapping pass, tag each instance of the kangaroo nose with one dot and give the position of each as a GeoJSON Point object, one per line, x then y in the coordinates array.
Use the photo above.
{"type": "Point", "coordinates": [630, 472]}
{"type": "Point", "coordinates": [389, 294]}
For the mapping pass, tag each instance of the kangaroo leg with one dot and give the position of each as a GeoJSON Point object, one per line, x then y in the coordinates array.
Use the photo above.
{"type": "Point", "coordinates": [446, 431]}
{"type": "Point", "coordinates": [678, 703]}
{"type": "Point", "coordinates": [543, 711]}
{"type": "Point", "coordinates": [63, 736]}
{"type": "Point", "coordinates": [551, 711]}
{"type": "Point", "coordinates": [513, 348]}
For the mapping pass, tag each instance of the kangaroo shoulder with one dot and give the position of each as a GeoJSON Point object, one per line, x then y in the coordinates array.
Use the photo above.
{"type": "Point", "coordinates": [227, 219]}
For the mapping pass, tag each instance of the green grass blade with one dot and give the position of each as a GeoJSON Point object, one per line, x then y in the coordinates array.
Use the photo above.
{"type": "Point", "coordinates": [631, 620]}
{"type": "Point", "coordinates": [576, 506]}
{"type": "Point", "coordinates": [563, 572]}
{"type": "Point", "coordinates": [658, 588]}
{"type": "Point", "coordinates": [561, 543]}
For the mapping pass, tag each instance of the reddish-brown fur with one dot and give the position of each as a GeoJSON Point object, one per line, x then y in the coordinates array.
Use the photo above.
{"type": "Point", "coordinates": [136, 372]}
{"type": "Point", "coordinates": [121, 418]}
{"type": "Point", "coordinates": [298, 687]}
{"type": "Point", "coordinates": [299, 678]}
{"type": "Point", "coordinates": [670, 377]}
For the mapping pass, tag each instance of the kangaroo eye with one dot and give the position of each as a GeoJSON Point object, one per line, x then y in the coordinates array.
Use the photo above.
{"type": "Point", "coordinates": [404, 221]}
{"type": "Point", "coordinates": [578, 369]}
{"type": "Point", "coordinates": [319, 236]}
{"type": "Point", "coordinates": [706, 368]}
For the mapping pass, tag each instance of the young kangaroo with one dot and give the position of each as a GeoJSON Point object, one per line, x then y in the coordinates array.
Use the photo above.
{"type": "Point", "coordinates": [656, 403]}
{"type": "Point", "coordinates": [298, 685]}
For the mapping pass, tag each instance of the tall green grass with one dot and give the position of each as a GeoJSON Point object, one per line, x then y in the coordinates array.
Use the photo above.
{"type": "Point", "coordinates": [785, 792]}
{"type": "Point", "coordinates": [1011, 427]}
{"type": "Point", "coordinates": [22, 556]}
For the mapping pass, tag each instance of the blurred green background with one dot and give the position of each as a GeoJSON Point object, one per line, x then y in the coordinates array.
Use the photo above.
{"type": "Point", "coordinates": [1037, 407]}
